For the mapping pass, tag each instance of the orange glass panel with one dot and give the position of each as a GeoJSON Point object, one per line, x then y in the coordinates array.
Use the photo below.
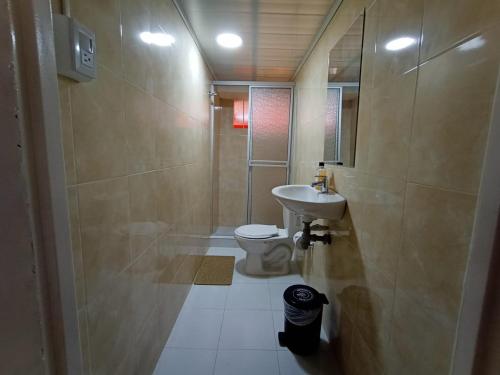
{"type": "Point", "coordinates": [240, 117]}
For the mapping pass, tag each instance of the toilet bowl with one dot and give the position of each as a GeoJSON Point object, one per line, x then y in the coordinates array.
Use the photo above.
{"type": "Point", "coordinates": [268, 248]}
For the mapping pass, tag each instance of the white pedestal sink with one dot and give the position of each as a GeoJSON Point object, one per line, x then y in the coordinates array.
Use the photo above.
{"type": "Point", "coordinates": [310, 203]}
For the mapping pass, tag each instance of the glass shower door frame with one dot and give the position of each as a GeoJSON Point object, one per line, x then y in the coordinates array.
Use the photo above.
{"type": "Point", "coordinates": [267, 163]}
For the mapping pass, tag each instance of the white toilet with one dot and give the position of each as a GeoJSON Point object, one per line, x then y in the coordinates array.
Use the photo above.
{"type": "Point", "coordinates": [269, 248]}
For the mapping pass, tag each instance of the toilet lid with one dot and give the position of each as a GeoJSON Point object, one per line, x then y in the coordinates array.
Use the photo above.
{"type": "Point", "coordinates": [257, 231]}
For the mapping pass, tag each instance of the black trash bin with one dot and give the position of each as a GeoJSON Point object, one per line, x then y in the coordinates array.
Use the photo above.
{"type": "Point", "coordinates": [303, 312]}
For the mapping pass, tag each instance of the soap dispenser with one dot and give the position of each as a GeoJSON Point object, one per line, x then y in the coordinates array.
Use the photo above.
{"type": "Point", "coordinates": [320, 176]}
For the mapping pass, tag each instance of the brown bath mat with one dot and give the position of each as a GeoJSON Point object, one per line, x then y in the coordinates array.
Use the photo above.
{"type": "Point", "coordinates": [215, 270]}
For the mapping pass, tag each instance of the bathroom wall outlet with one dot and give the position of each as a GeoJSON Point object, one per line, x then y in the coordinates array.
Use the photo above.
{"type": "Point", "coordinates": [75, 49]}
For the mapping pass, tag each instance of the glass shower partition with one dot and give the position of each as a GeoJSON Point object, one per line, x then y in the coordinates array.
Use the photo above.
{"type": "Point", "coordinates": [269, 150]}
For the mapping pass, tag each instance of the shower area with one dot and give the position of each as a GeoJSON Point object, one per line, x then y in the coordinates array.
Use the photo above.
{"type": "Point", "coordinates": [251, 144]}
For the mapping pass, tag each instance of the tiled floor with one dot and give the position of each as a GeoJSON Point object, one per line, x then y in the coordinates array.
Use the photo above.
{"type": "Point", "coordinates": [234, 329]}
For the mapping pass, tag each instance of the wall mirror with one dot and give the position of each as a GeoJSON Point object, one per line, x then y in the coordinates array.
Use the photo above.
{"type": "Point", "coordinates": [344, 74]}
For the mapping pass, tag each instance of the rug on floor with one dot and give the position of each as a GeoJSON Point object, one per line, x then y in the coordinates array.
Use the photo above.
{"type": "Point", "coordinates": [215, 270]}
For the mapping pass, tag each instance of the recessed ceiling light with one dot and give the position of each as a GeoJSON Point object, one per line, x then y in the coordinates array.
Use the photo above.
{"type": "Point", "coordinates": [229, 40]}
{"type": "Point", "coordinates": [400, 43]}
{"type": "Point", "coordinates": [158, 39]}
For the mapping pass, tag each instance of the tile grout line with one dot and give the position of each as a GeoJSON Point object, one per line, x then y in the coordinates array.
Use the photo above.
{"type": "Point", "coordinates": [276, 342]}
{"type": "Point", "coordinates": [221, 325]}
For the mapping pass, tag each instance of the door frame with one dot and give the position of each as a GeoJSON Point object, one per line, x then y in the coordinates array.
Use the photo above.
{"type": "Point", "coordinates": [266, 163]}
{"type": "Point", "coordinates": [481, 251]}
{"type": "Point", "coordinates": [261, 84]}
{"type": "Point", "coordinates": [35, 67]}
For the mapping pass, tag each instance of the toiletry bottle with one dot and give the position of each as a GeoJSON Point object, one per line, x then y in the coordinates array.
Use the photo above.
{"type": "Point", "coordinates": [320, 174]}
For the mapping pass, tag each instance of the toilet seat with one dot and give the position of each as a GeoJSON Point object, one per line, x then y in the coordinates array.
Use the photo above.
{"type": "Point", "coordinates": [257, 231]}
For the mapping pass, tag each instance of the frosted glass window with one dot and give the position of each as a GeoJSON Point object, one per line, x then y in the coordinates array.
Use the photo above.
{"type": "Point", "coordinates": [270, 122]}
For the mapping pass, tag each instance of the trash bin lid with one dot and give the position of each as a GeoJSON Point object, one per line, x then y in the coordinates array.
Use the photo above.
{"type": "Point", "coordinates": [304, 297]}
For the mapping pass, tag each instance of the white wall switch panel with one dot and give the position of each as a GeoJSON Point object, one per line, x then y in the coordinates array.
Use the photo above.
{"type": "Point", "coordinates": [75, 49]}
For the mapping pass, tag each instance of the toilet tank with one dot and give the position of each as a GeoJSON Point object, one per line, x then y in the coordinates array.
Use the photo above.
{"type": "Point", "coordinates": [291, 221]}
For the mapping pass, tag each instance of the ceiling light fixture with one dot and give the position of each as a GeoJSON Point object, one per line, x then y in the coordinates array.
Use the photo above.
{"type": "Point", "coordinates": [158, 39]}
{"type": "Point", "coordinates": [229, 40]}
{"type": "Point", "coordinates": [400, 43]}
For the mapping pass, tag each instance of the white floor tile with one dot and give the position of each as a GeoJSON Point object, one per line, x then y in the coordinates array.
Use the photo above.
{"type": "Point", "coordinates": [295, 365]}
{"type": "Point", "coordinates": [321, 363]}
{"type": "Point", "coordinates": [276, 293]}
{"type": "Point", "coordinates": [293, 277]}
{"type": "Point", "coordinates": [185, 362]}
{"type": "Point", "coordinates": [247, 330]}
{"type": "Point", "coordinates": [197, 329]}
{"type": "Point", "coordinates": [246, 362]}
{"type": "Point", "coordinates": [207, 297]}
{"type": "Point", "coordinates": [279, 326]}
{"type": "Point", "coordinates": [240, 277]}
{"type": "Point", "coordinates": [248, 296]}
{"type": "Point", "coordinates": [237, 252]}
{"type": "Point", "coordinates": [290, 279]}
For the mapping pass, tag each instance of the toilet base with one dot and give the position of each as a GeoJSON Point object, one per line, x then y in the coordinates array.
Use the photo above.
{"type": "Point", "coordinates": [275, 262]}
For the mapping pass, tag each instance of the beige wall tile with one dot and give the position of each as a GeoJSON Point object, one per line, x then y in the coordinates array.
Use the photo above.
{"type": "Point", "coordinates": [144, 277]}
{"type": "Point", "coordinates": [343, 343]}
{"type": "Point", "coordinates": [139, 171]}
{"type": "Point", "coordinates": [421, 342]}
{"type": "Point", "coordinates": [232, 192]}
{"type": "Point", "coordinates": [233, 147]}
{"type": "Point", "coordinates": [168, 148]}
{"type": "Point", "coordinates": [140, 129]}
{"type": "Point", "coordinates": [390, 126]}
{"type": "Point", "coordinates": [373, 314]}
{"type": "Point", "coordinates": [102, 17]}
{"type": "Point", "coordinates": [400, 233]}
{"type": "Point", "coordinates": [436, 238]}
{"type": "Point", "coordinates": [452, 111]}
{"type": "Point", "coordinates": [172, 199]}
{"type": "Point", "coordinates": [379, 225]}
{"type": "Point", "coordinates": [448, 22]}
{"type": "Point", "coordinates": [136, 18]}
{"type": "Point", "coordinates": [100, 137]}
{"type": "Point", "coordinates": [231, 169]}
{"type": "Point", "coordinates": [148, 345]}
{"type": "Point", "coordinates": [171, 294]}
{"type": "Point", "coordinates": [104, 223]}
{"type": "Point", "coordinates": [144, 228]}
{"type": "Point", "coordinates": [362, 360]}
{"type": "Point", "coordinates": [395, 19]}
{"type": "Point", "coordinates": [109, 324]}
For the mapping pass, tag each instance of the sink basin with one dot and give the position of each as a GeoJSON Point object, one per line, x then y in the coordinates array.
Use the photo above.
{"type": "Point", "coordinates": [309, 202]}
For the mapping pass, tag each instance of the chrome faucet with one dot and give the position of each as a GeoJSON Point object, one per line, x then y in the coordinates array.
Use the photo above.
{"type": "Point", "coordinates": [323, 182]}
